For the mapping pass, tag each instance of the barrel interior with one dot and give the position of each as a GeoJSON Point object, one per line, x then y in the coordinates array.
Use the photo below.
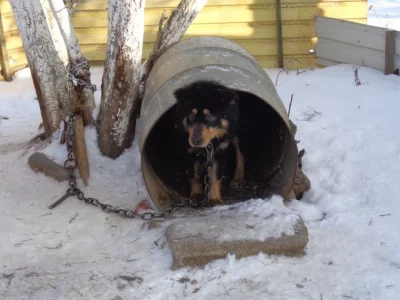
{"type": "Point", "coordinates": [263, 139]}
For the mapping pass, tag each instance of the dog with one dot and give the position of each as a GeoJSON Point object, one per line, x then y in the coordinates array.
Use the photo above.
{"type": "Point", "coordinates": [208, 112]}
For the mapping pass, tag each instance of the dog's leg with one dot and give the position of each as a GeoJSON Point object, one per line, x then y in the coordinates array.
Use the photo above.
{"type": "Point", "coordinates": [195, 181]}
{"type": "Point", "coordinates": [238, 180]}
{"type": "Point", "coordinates": [215, 191]}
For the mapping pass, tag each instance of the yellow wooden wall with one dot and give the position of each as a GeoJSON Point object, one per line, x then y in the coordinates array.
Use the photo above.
{"type": "Point", "coordinates": [251, 23]}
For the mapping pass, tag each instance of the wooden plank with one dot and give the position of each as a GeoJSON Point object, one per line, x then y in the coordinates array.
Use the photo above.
{"type": "Point", "coordinates": [289, 62]}
{"type": "Point", "coordinates": [350, 32]}
{"type": "Point", "coordinates": [233, 31]}
{"type": "Point", "coordinates": [103, 4]}
{"type": "Point", "coordinates": [4, 63]}
{"type": "Point", "coordinates": [389, 51]}
{"type": "Point", "coordinates": [226, 14]}
{"type": "Point", "coordinates": [350, 54]}
{"type": "Point", "coordinates": [93, 52]}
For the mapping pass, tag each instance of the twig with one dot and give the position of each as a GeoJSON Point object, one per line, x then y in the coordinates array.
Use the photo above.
{"type": "Point", "coordinates": [131, 278]}
{"type": "Point", "coordinates": [183, 279]}
{"type": "Point", "coordinates": [156, 242]}
{"type": "Point", "coordinates": [300, 158]}
{"type": "Point", "coordinates": [290, 105]}
{"type": "Point", "coordinates": [356, 79]}
{"type": "Point", "coordinates": [31, 274]}
{"type": "Point", "coordinates": [56, 247]}
{"type": "Point", "coordinates": [306, 70]}
{"type": "Point", "coordinates": [9, 277]}
{"type": "Point", "coordinates": [310, 114]}
{"type": "Point", "coordinates": [385, 215]}
{"type": "Point", "coordinates": [73, 218]}
{"type": "Point", "coordinates": [277, 77]}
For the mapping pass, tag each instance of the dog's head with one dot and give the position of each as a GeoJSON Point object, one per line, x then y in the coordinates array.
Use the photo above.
{"type": "Point", "coordinates": [206, 110]}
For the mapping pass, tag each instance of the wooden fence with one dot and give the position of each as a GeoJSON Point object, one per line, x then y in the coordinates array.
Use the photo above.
{"type": "Point", "coordinates": [250, 23]}
{"type": "Point", "coordinates": [342, 41]}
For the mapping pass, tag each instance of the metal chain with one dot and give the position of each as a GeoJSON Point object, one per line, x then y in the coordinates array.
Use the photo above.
{"type": "Point", "coordinates": [207, 177]}
{"type": "Point", "coordinates": [73, 190]}
{"type": "Point", "coordinates": [73, 74]}
{"type": "Point", "coordinates": [67, 137]}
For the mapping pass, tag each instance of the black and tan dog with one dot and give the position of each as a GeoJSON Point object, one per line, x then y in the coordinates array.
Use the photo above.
{"type": "Point", "coordinates": [208, 112]}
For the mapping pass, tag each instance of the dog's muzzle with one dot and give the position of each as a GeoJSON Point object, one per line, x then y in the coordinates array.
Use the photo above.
{"type": "Point", "coordinates": [196, 137]}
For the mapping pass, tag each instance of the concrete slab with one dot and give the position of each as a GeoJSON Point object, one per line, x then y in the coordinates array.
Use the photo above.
{"type": "Point", "coordinates": [198, 240]}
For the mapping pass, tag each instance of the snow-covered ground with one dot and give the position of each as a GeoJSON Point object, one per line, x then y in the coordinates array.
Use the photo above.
{"type": "Point", "coordinates": [384, 13]}
{"type": "Point", "coordinates": [352, 211]}
{"type": "Point", "coordinates": [76, 251]}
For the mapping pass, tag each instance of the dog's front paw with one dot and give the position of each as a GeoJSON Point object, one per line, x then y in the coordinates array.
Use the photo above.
{"type": "Point", "coordinates": [237, 183]}
{"type": "Point", "coordinates": [216, 201]}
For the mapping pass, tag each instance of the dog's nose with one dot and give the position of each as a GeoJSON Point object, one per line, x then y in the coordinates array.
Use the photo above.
{"type": "Point", "coordinates": [196, 140]}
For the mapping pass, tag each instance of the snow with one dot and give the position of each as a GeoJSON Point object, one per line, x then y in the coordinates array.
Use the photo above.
{"type": "Point", "coordinates": [256, 219]}
{"type": "Point", "coordinates": [384, 13]}
{"type": "Point", "coordinates": [76, 251]}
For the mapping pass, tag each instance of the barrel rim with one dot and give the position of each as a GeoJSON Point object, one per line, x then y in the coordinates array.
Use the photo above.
{"type": "Point", "coordinates": [147, 130]}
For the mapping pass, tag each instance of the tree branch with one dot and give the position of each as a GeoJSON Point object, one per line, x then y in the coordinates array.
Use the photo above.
{"type": "Point", "coordinates": [177, 24]}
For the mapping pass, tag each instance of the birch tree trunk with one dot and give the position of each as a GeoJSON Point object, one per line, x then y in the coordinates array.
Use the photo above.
{"type": "Point", "coordinates": [120, 82]}
{"type": "Point", "coordinates": [177, 24]}
{"type": "Point", "coordinates": [47, 57]}
{"type": "Point", "coordinates": [82, 95]}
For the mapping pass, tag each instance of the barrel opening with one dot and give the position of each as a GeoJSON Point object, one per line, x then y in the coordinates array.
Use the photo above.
{"type": "Point", "coordinates": [264, 141]}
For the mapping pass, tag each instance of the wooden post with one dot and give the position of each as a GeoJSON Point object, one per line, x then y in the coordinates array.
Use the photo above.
{"type": "Point", "coordinates": [279, 33]}
{"type": "Point", "coordinates": [5, 66]}
{"type": "Point", "coordinates": [80, 151]}
{"type": "Point", "coordinates": [389, 51]}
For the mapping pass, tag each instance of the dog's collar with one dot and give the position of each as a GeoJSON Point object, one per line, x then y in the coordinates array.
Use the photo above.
{"type": "Point", "coordinates": [217, 143]}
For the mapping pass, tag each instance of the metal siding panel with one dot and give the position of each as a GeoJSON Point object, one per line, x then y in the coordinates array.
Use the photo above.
{"type": "Point", "coordinates": [350, 54]}
{"type": "Point", "coordinates": [351, 33]}
{"type": "Point", "coordinates": [326, 62]}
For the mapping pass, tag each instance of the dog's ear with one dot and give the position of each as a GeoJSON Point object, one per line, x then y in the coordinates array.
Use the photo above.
{"type": "Point", "coordinates": [181, 95]}
{"type": "Point", "coordinates": [229, 96]}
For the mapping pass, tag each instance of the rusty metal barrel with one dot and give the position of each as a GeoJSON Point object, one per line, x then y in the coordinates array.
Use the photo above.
{"type": "Point", "coordinates": [270, 150]}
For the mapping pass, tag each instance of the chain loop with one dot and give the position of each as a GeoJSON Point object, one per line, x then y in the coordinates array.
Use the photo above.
{"type": "Point", "coordinates": [73, 73]}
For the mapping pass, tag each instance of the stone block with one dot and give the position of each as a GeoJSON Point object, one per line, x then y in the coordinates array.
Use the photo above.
{"type": "Point", "coordinates": [198, 241]}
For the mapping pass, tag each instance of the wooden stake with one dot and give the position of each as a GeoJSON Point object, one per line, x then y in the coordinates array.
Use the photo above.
{"type": "Point", "coordinates": [5, 66]}
{"type": "Point", "coordinates": [80, 149]}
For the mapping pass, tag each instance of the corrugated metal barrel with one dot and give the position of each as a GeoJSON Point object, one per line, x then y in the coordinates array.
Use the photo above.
{"type": "Point", "coordinates": [269, 148]}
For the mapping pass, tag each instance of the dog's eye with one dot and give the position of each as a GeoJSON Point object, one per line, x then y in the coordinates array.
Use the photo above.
{"type": "Point", "coordinates": [210, 118]}
{"type": "Point", "coordinates": [191, 117]}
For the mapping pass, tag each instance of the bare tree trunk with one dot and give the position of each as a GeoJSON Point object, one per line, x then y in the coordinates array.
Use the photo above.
{"type": "Point", "coordinates": [120, 82]}
{"type": "Point", "coordinates": [47, 57]}
{"type": "Point", "coordinates": [178, 23]}
{"type": "Point", "coordinates": [82, 96]}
